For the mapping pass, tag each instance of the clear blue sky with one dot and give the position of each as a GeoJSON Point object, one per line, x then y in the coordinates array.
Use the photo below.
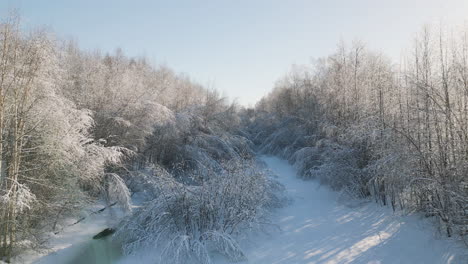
{"type": "Point", "coordinates": [240, 47]}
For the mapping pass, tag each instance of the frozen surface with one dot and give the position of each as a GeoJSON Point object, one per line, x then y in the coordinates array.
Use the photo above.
{"type": "Point", "coordinates": [317, 228]}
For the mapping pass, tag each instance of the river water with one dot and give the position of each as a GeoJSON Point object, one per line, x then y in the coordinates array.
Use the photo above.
{"type": "Point", "coordinates": [93, 251]}
{"type": "Point", "coordinates": [100, 251]}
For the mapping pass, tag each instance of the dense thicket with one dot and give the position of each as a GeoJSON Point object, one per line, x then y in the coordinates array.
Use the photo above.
{"type": "Point", "coordinates": [78, 126]}
{"type": "Point", "coordinates": [370, 128]}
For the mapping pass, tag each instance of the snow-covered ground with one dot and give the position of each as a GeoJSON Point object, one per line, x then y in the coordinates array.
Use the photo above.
{"type": "Point", "coordinates": [318, 228]}
{"type": "Point", "coordinates": [315, 228]}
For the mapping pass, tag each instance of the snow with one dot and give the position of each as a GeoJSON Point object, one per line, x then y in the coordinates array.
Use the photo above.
{"type": "Point", "coordinates": [317, 227]}
{"type": "Point", "coordinates": [73, 239]}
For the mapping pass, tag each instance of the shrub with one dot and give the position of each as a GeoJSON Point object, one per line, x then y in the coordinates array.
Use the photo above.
{"type": "Point", "coordinates": [187, 222]}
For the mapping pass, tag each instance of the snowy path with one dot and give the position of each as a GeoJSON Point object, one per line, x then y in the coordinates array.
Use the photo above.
{"type": "Point", "coordinates": [318, 229]}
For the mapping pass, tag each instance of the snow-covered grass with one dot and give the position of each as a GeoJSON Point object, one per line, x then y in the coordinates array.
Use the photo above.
{"type": "Point", "coordinates": [319, 228]}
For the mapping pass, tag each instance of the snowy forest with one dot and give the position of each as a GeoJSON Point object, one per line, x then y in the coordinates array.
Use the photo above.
{"type": "Point", "coordinates": [370, 129]}
{"type": "Point", "coordinates": [81, 127]}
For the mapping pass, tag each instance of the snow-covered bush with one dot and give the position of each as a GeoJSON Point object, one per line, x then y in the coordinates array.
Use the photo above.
{"type": "Point", "coordinates": [306, 160]}
{"type": "Point", "coordinates": [184, 223]}
{"type": "Point", "coordinates": [286, 137]}
{"type": "Point", "coordinates": [334, 165]}
{"type": "Point", "coordinates": [188, 143]}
